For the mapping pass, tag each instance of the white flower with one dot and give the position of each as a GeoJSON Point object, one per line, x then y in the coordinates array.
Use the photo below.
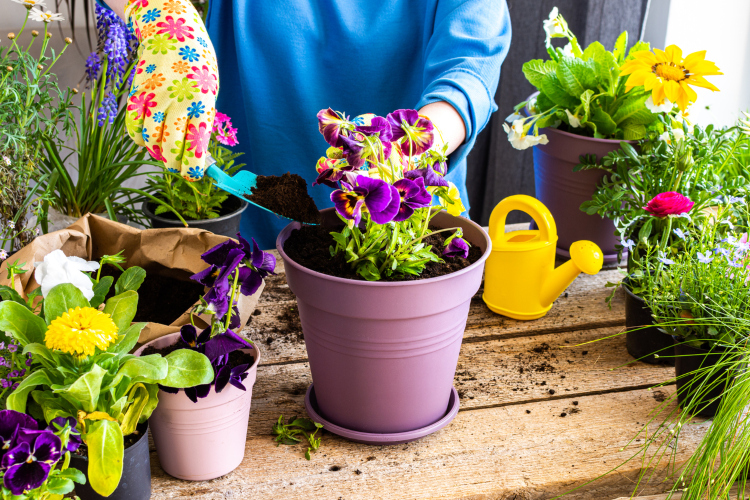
{"type": "Point", "coordinates": [575, 122]}
{"type": "Point", "coordinates": [664, 107]}
{"type": "Point", "coordinates": [30, 3]}
{"type": "Point", "coordinates": [3, 254]}
{"type": "Point", "coordinates": [678, 134]}
{"type": "Point", "coordinates": [57, 268]}
{"type": "Point", "coordinates": [6, 160]}
{"type": "Point", "coordinates": [45, 17]}
{"type": "Point", "coordinates": [568, 50]}
{"type": "Point", "coordinates": [519, 140]}
{"type": "Point", "coordinates": [554, 26]}
{"type": "Point", "coordinates": [513, 117]}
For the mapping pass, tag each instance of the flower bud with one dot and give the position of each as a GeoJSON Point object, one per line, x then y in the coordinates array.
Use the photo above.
{"type": "Point", "coordinates": [11, 36]}
{"type": "Point", "coordinates": [39, 67]}
{"type": "Point", "coordinates": [75, 90]}
{"type": "Point", "coordinates": [49, 35]}
{"type": "Point", "coordinates": [35, 33]}
{"type": "Point", "coordinates": [684, 154]}
{"type": "Point", "coordinates": [68, 40]}
{"type": "Point", "coordinates": [9, 68]}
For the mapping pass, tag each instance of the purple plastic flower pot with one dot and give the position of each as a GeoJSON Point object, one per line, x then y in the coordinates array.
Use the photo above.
{"type": "Point", "coordinates": [563, 191]}
{"type": "Point", "coordinates": [383, 354]}
{"type": "Point", "coordinates": [203, 440]}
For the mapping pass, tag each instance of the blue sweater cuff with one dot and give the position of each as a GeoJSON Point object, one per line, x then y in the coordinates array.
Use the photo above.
{"type": "Point", "coordinates": [101, 3]}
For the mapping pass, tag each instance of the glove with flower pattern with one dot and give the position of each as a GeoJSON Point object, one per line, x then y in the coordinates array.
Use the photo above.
{"type": "Point", "coordinates": [171, 107]}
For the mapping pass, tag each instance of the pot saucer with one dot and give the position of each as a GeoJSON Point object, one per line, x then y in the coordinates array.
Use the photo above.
{"type": "Point", "coordinates": [311, 405]}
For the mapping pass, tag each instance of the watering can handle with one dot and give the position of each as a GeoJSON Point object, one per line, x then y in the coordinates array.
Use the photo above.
{"type": "Point", "coordinates": [526, 204]}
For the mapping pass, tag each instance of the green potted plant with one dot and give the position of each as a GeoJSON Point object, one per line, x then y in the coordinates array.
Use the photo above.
{"type": "Point", "coordinates": [32, 109]}
{"type": "Point", "coordinates": [656, 196]}
{"type": "Point", "coordinates": [82, 369]}
{"type": "Point", "coordinates": [105, 159]}
{"type": "Point", "coordinates": [588, 101]}
{"type": "Point", "coordinates": [201, 203]}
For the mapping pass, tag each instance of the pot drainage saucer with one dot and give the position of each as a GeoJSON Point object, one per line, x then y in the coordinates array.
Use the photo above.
{"type": "Point", "coordinates": [311, 405]}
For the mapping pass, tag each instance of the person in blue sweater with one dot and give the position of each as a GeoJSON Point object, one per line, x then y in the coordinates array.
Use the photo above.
{"type": "Point", "coordinates": [282, 62]}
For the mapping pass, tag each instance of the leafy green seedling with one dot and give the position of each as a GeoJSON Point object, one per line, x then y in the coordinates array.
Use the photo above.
{"type": "Point", "coordinates": [290, 433]}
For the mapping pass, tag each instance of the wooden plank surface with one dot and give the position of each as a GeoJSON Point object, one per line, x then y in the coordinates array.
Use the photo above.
{"type": "Point", "coordinates": [544, 409]}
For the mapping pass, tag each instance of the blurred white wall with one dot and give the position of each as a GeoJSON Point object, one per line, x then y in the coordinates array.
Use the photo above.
{"type": "Point", "coordinates": [721, 28]}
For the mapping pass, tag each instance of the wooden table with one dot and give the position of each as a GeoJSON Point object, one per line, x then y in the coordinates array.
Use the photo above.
{"type": "Point", "coordinates": [540, 414]}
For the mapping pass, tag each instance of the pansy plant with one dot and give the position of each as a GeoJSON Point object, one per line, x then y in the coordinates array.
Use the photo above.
{"type": "Point", "coordinates": [234, 268]}
{"type": "Point", "coordinates": [386, 172]}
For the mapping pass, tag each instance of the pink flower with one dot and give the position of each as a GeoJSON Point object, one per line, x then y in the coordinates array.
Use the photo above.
{"type": "Point", "coordinates": [221, 118]}
{"type": "Point", "coordinates": [669, 203]}
{"type": "Point", "coordinates": [139, 69]}
{"type": "Point", "coordinates": [141, 104]}
{"type": "Point", "coordinates": [175, 29]}
{"type": "Point", "coordinates": [228, 137]}
{"type": "Point", "coordinates": [204, 79]}
{"type": "Point", "coordinates": [198, 138]}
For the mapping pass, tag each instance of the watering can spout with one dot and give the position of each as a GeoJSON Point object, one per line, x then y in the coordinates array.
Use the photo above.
{"type": "Point", "coordinates": [585, 256]}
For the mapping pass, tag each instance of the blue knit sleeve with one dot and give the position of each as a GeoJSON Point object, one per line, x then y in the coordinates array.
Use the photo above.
{"type": "Point", "coordinates": [101, 3]}
{"type": "Point", "coordinates": [468, 44]}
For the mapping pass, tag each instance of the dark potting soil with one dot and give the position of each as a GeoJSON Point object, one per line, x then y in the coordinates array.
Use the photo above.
{"type": "Point", "coordinates": [128, 441]}
{"type": "Point", "coordinates": [231, 204]}
{"type": "Point", "coordinates": [309, 246]}
{"type": "Point", "coordinates": [161, 299]}
{"type": "Point", "coordinates": [287, 196]}
{"type": "Point", "coordinates": [236, 358]}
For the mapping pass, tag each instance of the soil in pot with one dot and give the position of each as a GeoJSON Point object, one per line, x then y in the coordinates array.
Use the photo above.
{"type": "Point", "coordinates": [231, 204]}
{"type": "Point", "coordinates": [236, 358]}
{"type": "Point", "coordinates": [135, 483]}
{"type": "Point", "coordinates": [161, 299]}
{"type": "Point", "coordinates": [287, 196]}
{"type": "Point", "coordinates": [309, 247]}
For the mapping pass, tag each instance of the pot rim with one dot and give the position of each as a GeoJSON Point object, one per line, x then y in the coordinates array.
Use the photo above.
{"type": "Point", "coordinates": [147, 211]}
{"type": "Point", "coordinates": [468, 269]}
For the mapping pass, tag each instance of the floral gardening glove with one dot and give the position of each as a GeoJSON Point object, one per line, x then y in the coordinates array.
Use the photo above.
{"type": "Point", "coordinates": [171, 107]}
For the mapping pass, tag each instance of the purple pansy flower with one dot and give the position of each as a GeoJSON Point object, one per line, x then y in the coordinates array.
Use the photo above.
{"type": "Point", "coordinates": [431, 177]}
{"type": "Point", "coordinates": [331, 170]}
{"type": "Point", "coordinates": [380, 199]}
{"type": "Point", "coordinates": [234, 376]}
{"type": "Point", "coordinates": [333, 125]}
{"type": "Point", "coordinates": [10, 423]}
{"type": "Point", "coordinates": [379, 127]}
{"type": "Point", "coordinates": [73, 435]}
{"type": "Point", "coordinates": [28, 463]}
{"type": "Point", "coordinates": [258, 265]}
{"type": "Point", "coordinates": [218, 348]}
{"type": "Point", "coordinates": [190, 336]}
{"type": "Point", "coordinates": [457, 247]}
{"type": "Point", "coordinates": [197, 392]}
{"type": "Point", "coordinates": [413, 196]}
{"type": "Point", "coordinates": [415, 131]}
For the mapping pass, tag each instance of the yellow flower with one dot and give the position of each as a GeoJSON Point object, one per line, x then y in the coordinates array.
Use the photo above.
{"type": "Point", "coordinates": [668, 75]}
{"type": "Point", "coordinates": [453, 205]}
{"type": "Point", "coordinates": [79, 331]}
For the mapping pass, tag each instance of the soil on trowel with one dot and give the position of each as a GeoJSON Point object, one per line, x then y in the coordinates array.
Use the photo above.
{"type": "Point", "coordinates": [161, 299]}
{"type": "Point", "coordinates": [287, 196]}
{"type": "Point", "coordinates": [309, 246]}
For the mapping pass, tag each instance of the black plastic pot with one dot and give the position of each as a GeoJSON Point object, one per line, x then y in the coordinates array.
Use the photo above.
{"type": "Point", "coordinates": [226, 225]}
{"type": "Point", "coordinates": [687, 360]}
{"type": "Point", "coordinates": [135, 483]}
{"type": "Point", "coordinates": [644, 343]}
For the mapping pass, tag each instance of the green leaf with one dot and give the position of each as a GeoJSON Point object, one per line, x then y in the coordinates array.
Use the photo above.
{"type": "Point", "coordinates": [631, 107]}
{"type": "Point", "coordinates": [86, 389]}
{"type": "Point", "coordinates": [139, 396]}
{"type": "Point", "coordinates": [131, 279]}
{"type": "Point", "coordinates": [576, 75]}
{"type": "Point", "coordinates": [586, 99]}
{"type": "Point", "coordinates": [62, 299]}
{"type": "Point", "coordinates": [74, 475]}
{"type": "Point", "coordinates": [17, 399]}
{"type": "Point", "coordinates": [536, 69]}
{"type": "Point", "coordinates": [607, 70]}
{"type": "Point", "coordinates": [593, 50]}
{"type": "Point", "coordinates": [128, 339]}
{"type": "Point", "coordinates": [633, 131]}
{"type": "Point", "coordinates": [645, 230]}
{"type": "Point", "coordinates": [101, 290]}
{"type": "Point", "coordinates": [122, 308]}
{"type": "Point", "coordinates": [8, 293]}
{"type": "Point", "coordinates": [620, 46]}
{"type": "Point", "coordinates": [19, 321]}
{"type": "Point", "coordinates": [552, 89]}
{"type": "Point", "coordinates": [604, 123]}
{"type": "Point", "coordinates": [151, 368]}
{"type": "Point", "coordinates": [187, 369]}
{"type": "Point", "coordinates": [153, 400]}
{"type": "Point", "coordinates": [105, 446]}
{"type": "Point", "coordinates": [638, 47]}
{"type": "Point", "coordinates": [40, 351]}
{"type": "Point", "coordinates": [59, 485]}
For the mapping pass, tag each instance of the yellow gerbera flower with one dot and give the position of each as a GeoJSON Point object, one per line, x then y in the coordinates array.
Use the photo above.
{"type": "Point", "coordinates": [79, 331]}
{"type": "Point", "coordinates": [668, 75]}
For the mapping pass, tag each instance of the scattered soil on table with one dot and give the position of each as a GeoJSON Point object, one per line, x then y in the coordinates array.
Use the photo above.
{"type": "Point", "coordinates": [287, 196]}
{"type": "Point", "coordinates": [161, 299]}
{"type": "Point", "coordinates": [128, 441]}
{"type": "Point", "coordinates": [231, 204]}
{"type": "Point", "coordinates": [236, 358]}
{"type": "Point", "coordinates": [309, 247]}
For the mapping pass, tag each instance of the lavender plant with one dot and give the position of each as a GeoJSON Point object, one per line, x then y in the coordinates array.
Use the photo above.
{"type": "Point", "coordinates": [386, 173]}
{"type": "Point", "coordinates": [32, 109]}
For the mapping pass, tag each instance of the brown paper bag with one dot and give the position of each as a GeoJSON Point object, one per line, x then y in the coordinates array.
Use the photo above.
{"type": "Point", "coordinates": [173, 252]}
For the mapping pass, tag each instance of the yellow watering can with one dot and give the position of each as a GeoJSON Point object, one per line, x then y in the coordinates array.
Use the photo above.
{"type": "Point", "coordinates": [520, 279]}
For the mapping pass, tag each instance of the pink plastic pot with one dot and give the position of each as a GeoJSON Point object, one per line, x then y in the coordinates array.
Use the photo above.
{"type": "Point", "coordinates": [383, 354]}
{"type": "Point", "coordinates": [203, 440]}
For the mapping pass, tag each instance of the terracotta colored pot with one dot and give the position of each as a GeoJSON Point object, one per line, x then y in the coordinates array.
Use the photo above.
{"type": "Point", "coordinates": [383, 354]}
{"type": "Point", "coordinates": [563, 191]}
{"type": "Point", "coordinates": [203, 440]}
